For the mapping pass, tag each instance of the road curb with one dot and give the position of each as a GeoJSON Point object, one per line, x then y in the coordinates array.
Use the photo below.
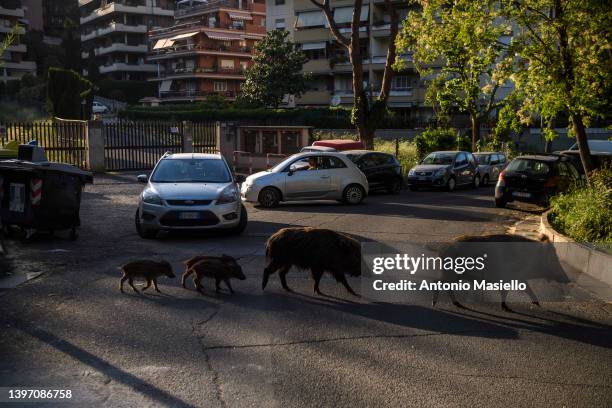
{"type": "Point", "coordinates": [582, 257]}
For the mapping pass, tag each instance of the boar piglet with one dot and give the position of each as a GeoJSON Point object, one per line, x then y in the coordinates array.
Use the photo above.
{"type": "Point", "coordinates": [220, 268]}
{"type": "Point", "coordinates": [316, 249]}
{"type": "Point", "coordinates": [147, 269]}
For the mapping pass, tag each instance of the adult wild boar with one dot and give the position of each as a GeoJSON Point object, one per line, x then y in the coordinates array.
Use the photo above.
{"type": "Point", "coordinates": [316, 249]}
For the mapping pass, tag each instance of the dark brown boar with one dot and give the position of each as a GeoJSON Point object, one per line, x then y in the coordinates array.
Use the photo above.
{"type": "Point", "coordinates": [501, 269]}
{"type": "Point", "coordinates": [316, 249]}
{"type": "Point", "coordinates": [147, 269]}
{"type": "Point", "coordinates": [221, 268]}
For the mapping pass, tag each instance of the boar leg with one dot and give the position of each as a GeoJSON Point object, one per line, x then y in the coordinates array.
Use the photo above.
{"type": "Point", "coordinates": [504, 296]}
{"type": "Point", "coordinates": [529, 291]}
{"type": "Point", "coordinates": [217, 285]}
{"type": "Point", "coordinates": [342, 279]}
{"type": "Point", "coordinates": [147, 286]}
{"type": "Point", "coordinates": [434, 298]}
{"type": "Point", "coordinates": [316, 275]}
{"type": "Point", "coordinates": [123, 279]}
{"type": "Point", "coordinates": [270, 269]}
{"type": "Point", "coordinates": [155, 285]}
{"type": "Point", "coordinates": [451, 294]}
{"type": "Point", "coordinates": [229, 286]}
{"type": "Point", "coordinates": [131, 282]}
{"type": "Point", "coordinates": [283, 279]}
{"type": "Point", "coordinates": [184, 276]}
{"type": "Point", "coordinates": [196, 283]}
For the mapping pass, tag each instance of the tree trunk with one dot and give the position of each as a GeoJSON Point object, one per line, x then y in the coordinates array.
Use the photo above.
{"type": "Point", "coordinates": [475, 131]}
{"type": "Point", "coordinates": [583, 146]}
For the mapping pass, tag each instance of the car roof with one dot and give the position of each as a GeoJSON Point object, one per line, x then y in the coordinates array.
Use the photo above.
{"type": "Point", "coordinates": [191, 156]}
{"type": "Point", "coordinates": [361, 152]}
{"type": "Point", "coordinates": [487, 153]}
{"type": "Point", "coordinates": [449, 151]}
{"type": "Point", "coordinates": [304, 154]}
{"type": "Point", "coordinates": [540, 157]}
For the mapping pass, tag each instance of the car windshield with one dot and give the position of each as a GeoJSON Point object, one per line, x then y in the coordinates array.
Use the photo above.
{"type": "Point", "coordinates": [528, 166]}
{"type": "Point", "coordinates": [191, 171]}
{"type": "Point", "coordinates": [601, 146]}
{"type": "Point", "coordinates": [482, 158]}
{"type": "Point", "coordinates": [439, 158]}
{"type": "Point", "coordinates": [353, 157]}
{"type": "Point", "coordinates": [280, 166]}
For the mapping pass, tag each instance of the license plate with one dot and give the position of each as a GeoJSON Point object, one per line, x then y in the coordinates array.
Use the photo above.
{"type": "Point", "coordinates": [521, 194]}
{"type": "Point", "coordinates": [189, 216]}
{"type": "Point", "coordinates": [17, 197]}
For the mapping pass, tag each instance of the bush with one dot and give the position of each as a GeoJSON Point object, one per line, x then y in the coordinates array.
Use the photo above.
{"type": "Point", "coordinates": [585, 212]}
{"type": "Point", "coordinates": [407, 156]}
{"type": "Point", "coordinates": [434, 139]}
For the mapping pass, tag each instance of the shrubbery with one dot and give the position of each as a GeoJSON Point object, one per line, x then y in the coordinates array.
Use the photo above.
{"type": "Point", "coordinates": [407, 156]}
{"type": "Point", "coordinates": [434, 139]}
{"type": "Point", "coordinates": [585, 212]}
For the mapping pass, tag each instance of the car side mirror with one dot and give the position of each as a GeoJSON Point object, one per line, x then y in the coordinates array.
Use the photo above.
{"type": "Point", "coordinates": [240, 178]}
{"type": "Point", "coordinates": [290, 172]}
{"type": "Point", "coordinates": [143, 178]}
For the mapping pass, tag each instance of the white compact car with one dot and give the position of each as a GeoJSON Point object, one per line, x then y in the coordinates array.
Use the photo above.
{"type": "Point", "coordinates": [307, 176]}
{"type": "Point", "coordinates": [98, 108]}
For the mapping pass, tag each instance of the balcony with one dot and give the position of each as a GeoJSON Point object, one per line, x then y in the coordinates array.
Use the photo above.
{"type": "Point", "coordinates": [114, 28]}
{"type": "Point", "coordinates": [195, 49]}
{"type": "Point", "coordinates": [8, 28]}
{"type": "Point", "coordinates": [194, 95]}
{"type": "Point", "coordinates": [205, 8]}
{"type": "Point", "coordinates": [200, 72]}
{"type": "Point", "coordinates": [29, 66]}
{"type": "Point", "coordinates": [120, 47]}
{"type": "Point", "coordinates": [18, 12]}
{"type": "Point", "coordinates": [123, 67]}
{"type": "Point", "coordinates": [123, 8]}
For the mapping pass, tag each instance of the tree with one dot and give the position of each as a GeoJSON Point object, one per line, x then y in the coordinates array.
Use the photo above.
{"type": "Point", "coordinates": [463, 35]}
{"type": "Point", "coordinates": [8, 40]}
{"type": "Point", "coordinates": [66, 90]}
{"type": "Point", "coordinates": [564, 51]}
{"type": "Point", "coordinates": [277, 70]}
{"type": "Point", "coordinates": [367, 112]}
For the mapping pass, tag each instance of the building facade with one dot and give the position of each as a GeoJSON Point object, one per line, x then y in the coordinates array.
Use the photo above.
{"type": "Point", "coordinates": [207, 50]}
{"type": "Point", "coordinates": [114, 35]}
{"type": "Point", "coordinates": [13, 62]}
{"type": "Point", "coordinates": [328, 60]}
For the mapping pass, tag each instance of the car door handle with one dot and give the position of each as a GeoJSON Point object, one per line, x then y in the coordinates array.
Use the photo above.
{"type": "Point", "coordinates": [324, 177]}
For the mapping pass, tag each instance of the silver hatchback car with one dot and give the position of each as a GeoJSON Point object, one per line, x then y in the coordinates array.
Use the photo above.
{"type": "Point", "coordinates": [307, 176]}
{"type": "Point", "coordinates": [190, 191]}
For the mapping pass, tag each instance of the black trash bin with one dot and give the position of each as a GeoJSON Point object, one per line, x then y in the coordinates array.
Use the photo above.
{"type": "Point", "coordinates": [41, 196]}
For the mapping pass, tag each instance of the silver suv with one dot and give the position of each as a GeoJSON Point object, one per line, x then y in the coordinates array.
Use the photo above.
{"type": "Point", "coordinates": [190, 191]}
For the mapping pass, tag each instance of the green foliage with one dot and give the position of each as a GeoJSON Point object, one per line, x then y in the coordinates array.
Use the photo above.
{"type": "Point", "coordinates": [407, 156]}
{"type": "Point", "coordinates": [125, 91]}
{"type": "Point", "coordinates": [434, 139]}
{"type": "Point", "coordinates": [215, 102]}
{"type": "Point", "coordinates": [66, 89]}
{"type": "Point", "coordinates": [585, 212]}
{"type": "Point", "coordinates": [277, 70]}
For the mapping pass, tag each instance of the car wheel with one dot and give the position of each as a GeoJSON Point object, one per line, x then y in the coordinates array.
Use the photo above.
{"type": "Point", "coordinates": [451, 184]}
{"type": "Point", "coordinates": [395, 186]}
{"type": "Point", "coordinates": [485, 180]}
{"type": "Point", "coordinates": [500, 203]}
{"type": "Point", "coordinates": [476, 181]}
{"type": "Point", "coordinates": [353, 194]}
{"type": "Point", "coordinates": [143, 232]}
{"type": "Point", "coordinates": [244, 218]}
{"type": "Point", "coordinates": [269, 197]}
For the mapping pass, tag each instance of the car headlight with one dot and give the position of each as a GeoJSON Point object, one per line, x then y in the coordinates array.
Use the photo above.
{"type": "Point", "coordinates": [411, 172]}
{"type": "Point", "coordinates": [228, 195]}
{"type": "Point", "coordinates": [150, 197]}
{"type": "Point", "coordinates": [440, 172]}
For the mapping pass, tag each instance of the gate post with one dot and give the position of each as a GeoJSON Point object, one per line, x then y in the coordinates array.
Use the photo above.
{"type": "Point", "coordinates": [218, 136]}
{"type": "Point", "coordinates": [187, 137]}
{"type": "Point", "coordinates": [95, 144]}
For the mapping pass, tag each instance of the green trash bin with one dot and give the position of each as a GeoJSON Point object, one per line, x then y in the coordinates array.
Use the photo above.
{"type": "Point", "coordinates": [41, 196]}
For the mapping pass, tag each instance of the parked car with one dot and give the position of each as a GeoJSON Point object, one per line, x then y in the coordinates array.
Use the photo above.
{"type": "Point", "coordinates": [534, 179]}
{"type": "Point", "coordinates": [445, 169]}
{"type": "Point", "coordinates": [598, 159]}
{"type": "Point", "coordinates": [340, 144]}
{"type": "Point", "coordinates": [317, 149]}
{"type": "Point", "coordinates": [307, 176]}
{"type": "Point", "coordinates": [99, 108]}
{"type": "Point", "coordinates": [382, 170]}
{"type": "Point", "coordinates": [490, 164]}
{"type": "Point", "coordinates": [598, 146]}
{"type": "Point", "coordinates": [190, 191]}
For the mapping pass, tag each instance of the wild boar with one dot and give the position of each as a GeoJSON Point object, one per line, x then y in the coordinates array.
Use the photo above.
{"type": "Point", "coordinates": [147, 269]}
{"type": "Point", "coordinates": [316, 249]}
{"type": "Point", "coordinates": [502, 267]}
{"type": "Point", "coordinates": [221, 268]}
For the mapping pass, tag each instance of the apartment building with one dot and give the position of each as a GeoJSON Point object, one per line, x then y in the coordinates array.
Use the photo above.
{"type": "Point", "coordinates": [13, 63]}
{"type": "Point", "coordinates": [207, 50]}
{"type": "Point", "coordinates": [114, 34]}
{"type": "Point", "coordinates": [328, 60]}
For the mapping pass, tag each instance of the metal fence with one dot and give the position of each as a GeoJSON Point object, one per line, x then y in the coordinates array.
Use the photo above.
{"type": "Point", "coordinates": [138, 145]}
{"type": "Point", "coordinates": [64, 141]}
{"type": "Point", "coordinates": [205, 137]}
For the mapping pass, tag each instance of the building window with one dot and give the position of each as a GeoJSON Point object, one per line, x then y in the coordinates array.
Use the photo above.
{"type": "Point", "coordinates": [269, 142]}
{"type": "Point", "coordinates": [227, 64]}
{"type": "Point", "coordinates": [401, 83]}
{"type": "Point", "coordinates": [279, 2]}
{"type": "Point", "coordinates": [220, 86]}
{"type": "Point", "coordinates": [279, 24]}
{"type": "Point", "coordinates": [244, 65]}
{"type": "Point", "coordinates": [310, 19]}
{"type": "Point", "coordinates": [290, 142]}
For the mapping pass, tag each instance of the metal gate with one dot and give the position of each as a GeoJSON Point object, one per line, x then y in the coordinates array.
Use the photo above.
{"type": "Point", "coordinates": [205, 137]}
{"type": "Point", "coordinates": [64, 140]}
{"type": "Point", "coordinates": [139, 145]}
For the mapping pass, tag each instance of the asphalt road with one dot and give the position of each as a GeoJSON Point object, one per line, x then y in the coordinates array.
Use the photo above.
{"type": "Point", "coordinates": [71, 328]}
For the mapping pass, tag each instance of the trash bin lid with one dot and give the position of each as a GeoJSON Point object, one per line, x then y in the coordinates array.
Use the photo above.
{"type": "Point", "coordinates": [85, 176]}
